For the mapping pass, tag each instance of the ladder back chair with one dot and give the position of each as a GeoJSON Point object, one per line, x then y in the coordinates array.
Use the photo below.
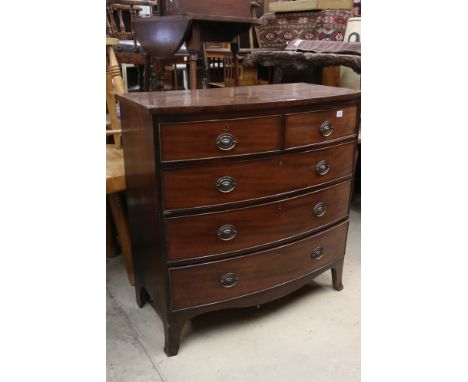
{"type": "Point", "coordinates": [115, 171]}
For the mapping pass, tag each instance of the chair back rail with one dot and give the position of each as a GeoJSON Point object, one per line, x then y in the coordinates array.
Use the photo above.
{"type": "Point", "coordinates": [120, 11]}
{"type": "Point", "coordinates": [114, 85]}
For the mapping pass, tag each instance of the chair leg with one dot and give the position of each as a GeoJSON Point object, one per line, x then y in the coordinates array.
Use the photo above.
{"type": "Point", "coordinates": [147, 74]}
{"type": "Point", "coordinates": [121, 224]}
{"type": "Point", "coordinates": [174, 67]}
{"type": "Point", "coordinates": [193, 70]}
{"type": "Point", "coordinates": [111, 250]}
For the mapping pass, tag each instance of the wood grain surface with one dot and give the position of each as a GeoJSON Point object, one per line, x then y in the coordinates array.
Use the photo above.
{"type": "Point", "coordinates": [196, 236]}
{"type": "Point", "coordinates": [186, 188]}
{"type": "Point", "coordinates": [239, 98]}
{"type": "Point", "coordinates": [115, 170]}
{"type": "Point", "coordinates": [255, 272]}
{"type": "Point", "coordinates": [303, 129]}
{"type": "Point", "coordinates": [196, 140]}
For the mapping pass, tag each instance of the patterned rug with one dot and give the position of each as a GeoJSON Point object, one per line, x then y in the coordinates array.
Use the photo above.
{"type": "Point", "coordinates": [277, 30]}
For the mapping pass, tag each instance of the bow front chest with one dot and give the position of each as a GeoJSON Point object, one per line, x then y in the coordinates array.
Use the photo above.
{"type": "Point", "coordinates": [236, 196]}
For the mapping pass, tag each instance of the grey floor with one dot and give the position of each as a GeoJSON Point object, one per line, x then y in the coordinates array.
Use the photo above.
{"type": "Point", "coordinates": [311, 335]}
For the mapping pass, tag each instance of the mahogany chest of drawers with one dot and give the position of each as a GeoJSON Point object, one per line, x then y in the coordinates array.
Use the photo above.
{"type": "Point", "coordinates": [236, 196]}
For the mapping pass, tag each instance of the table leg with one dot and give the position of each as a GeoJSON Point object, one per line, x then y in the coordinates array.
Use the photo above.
{"type": "Point", "coordinates": [193, 70]}
{"type": "Point", "coordinates": [235, 61]}
{"type": "Point", "coordinates": [159, 71]}
{"type": "Point", "coordinates": [174, 67]}
{"type": "Point", "coordinates": [147, 74]}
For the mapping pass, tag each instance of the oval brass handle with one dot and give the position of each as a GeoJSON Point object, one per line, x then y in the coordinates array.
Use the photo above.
{"type": "Point", "coordinates": [326, 128]}
{"type": "Point", "coordinates": [227, 232]}
{"type": "Point", "coordinates": [226, 184]}
{"type": "Point", "coordinates": [226, 142]}
{"type": "Point", "coordinates": [317, 253]}
{"type": "Point", "coordinates": [228, 280]}
{"type": "Point", "coordinates": [322, 167]}
{"type": "Point", "coordinates": [320, 209]}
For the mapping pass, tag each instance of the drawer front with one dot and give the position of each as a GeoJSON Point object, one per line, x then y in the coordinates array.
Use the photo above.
{"type": "Point", "coordinates": [224, 279]}
{"type": "Point", "coordinates": [216, 184]}
{"type": "Point", "coordinates": [304, 129]}
{"type": "Point", "coordinates": [221, 138]}
{"type": "Point", "coordinates": [222, 232]}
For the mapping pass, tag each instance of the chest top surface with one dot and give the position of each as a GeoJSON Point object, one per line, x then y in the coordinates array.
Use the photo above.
{"type": "Point", "coordinates": [238, 98]}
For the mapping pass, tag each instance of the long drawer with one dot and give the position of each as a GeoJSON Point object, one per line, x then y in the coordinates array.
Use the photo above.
{"type": "Point", "coordinates": [309, 128]}
{"type": "Point", "coordinates": [216, 233]}
{"type": "Point", "coordinates": [219, 138]}
{"type": "Point", "coordinates": [215, 184]}
{"type": "Point", "coordinates": [207, 283]}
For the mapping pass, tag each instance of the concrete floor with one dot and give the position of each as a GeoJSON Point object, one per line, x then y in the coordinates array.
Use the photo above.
{"type": "Point", "coordinates": [311, 335]}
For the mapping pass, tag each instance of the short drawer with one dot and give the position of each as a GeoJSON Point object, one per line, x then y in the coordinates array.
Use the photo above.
{"type": "Point", "coordinates": [216, 233]}
{"type": "Point", "coordinates": [207, 283]}
{"type": "Point", "coordinates": [219, 138]}
{"type": "Point", "coordinates": [309, 128]}
{"type": "Point", "coordinates": [215, 184]}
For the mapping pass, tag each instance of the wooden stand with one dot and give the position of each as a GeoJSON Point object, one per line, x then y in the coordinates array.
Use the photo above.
{"type": "Point", "coordinates": [194, 30]}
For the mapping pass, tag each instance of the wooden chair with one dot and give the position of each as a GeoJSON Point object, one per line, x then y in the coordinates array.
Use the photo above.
{"type": "Point", "coordinates": [229, 71]}
{"type": "Point", "coordinates": [120, 15]}
{"type": "Point", "coordinates": [221, 68]}
{"type": "Point", "coordinates": [115, 171]}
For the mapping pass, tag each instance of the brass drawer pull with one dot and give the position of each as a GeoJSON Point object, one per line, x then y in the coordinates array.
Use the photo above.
{"type": "Point", "coordinates": [226, 142]}
{"type": "Point", "coordinates": [317, 253]}
{"type": "Point", "coordinates": [227, 232]}
{"type": "Point", "coordinates": [320, 209]}
{"type": "Point", "coordinates": [228, 280]}
{"type": "Point", "coordinates": [322, 167]}
{"type": "Point", "coordinates": [226, 184]}
{"type": "Point", "coordinates": [326, 129]}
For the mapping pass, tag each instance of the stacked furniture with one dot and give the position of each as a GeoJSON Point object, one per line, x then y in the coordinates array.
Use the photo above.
{"type": "Point", "coordinates": [237, 196]}
{"type": "Point", "coordinates": [307, 5]}
{"type": "Point", "coordinates": [304, 20]}
{"type": "Point", "coordinates": [278, 29]}
{"type": "Point", "coordinates": [194, 23]}
{"type": "Point", "coordinates": [120, 14]}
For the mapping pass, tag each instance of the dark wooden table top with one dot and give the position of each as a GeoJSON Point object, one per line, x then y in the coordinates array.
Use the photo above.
{"type": "Point", "coordinates": [238, 98]}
